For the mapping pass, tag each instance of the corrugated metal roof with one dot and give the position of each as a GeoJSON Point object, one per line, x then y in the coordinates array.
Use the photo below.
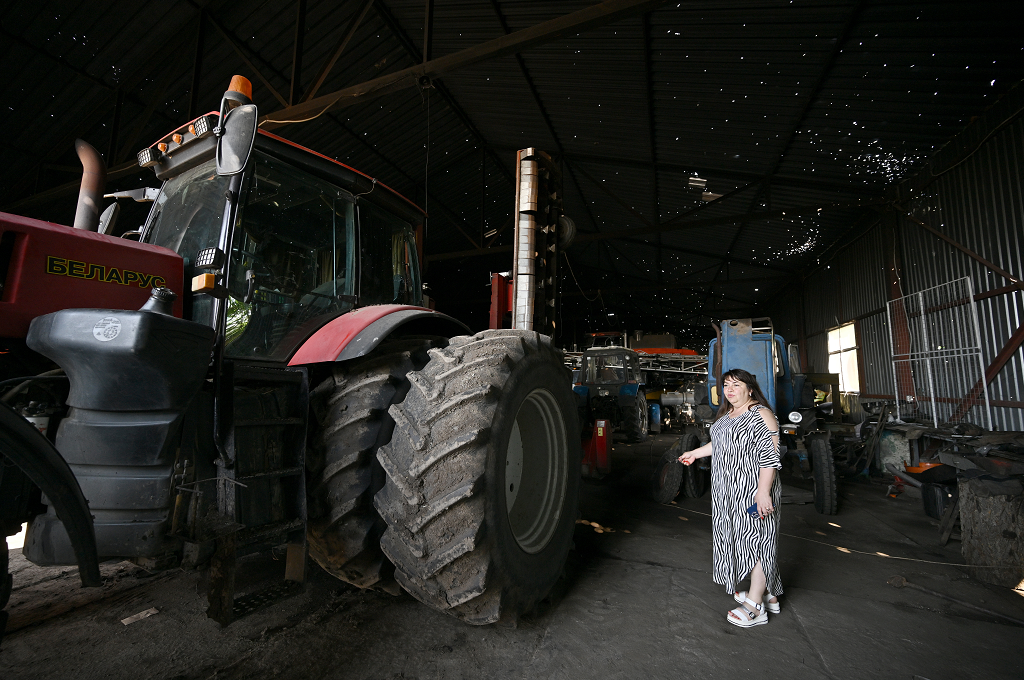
{"type": "Point", "coordinates": [834, 99]}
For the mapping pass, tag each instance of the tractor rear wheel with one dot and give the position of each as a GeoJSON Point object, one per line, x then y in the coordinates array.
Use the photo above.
{"type": "Point", "coordinates": [696, 482]}
{"type": "Point", "coordinates": [634, 420]}
{"type": "Point", "coordinates": [826, 497]}
{"type": "Point", "coordinates": [343, 474]}
{"type": "Point", "coordinates": [482, 471]}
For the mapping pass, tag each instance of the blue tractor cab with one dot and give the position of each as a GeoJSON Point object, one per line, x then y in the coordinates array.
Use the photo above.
{"type": "Point", "coordinates": [751, 344]}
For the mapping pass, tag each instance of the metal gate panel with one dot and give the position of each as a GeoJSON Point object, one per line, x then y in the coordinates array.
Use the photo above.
{"type": "Point", "coordinates": [938, 368]}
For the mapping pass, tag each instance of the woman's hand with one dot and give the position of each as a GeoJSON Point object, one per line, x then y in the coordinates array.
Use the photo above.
{"type": "Point", "coordinates": [699, 452]}
{"type": "Point", "coordinates": [764, 503]}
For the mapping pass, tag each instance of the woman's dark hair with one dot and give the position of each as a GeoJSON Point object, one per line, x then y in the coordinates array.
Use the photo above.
{"type": "Point", "coordinates": [748, 379]}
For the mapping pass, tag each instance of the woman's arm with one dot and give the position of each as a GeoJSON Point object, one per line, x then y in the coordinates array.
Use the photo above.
{"type": "Point", "coordinates": [763, 497]}
{"type": "Point", "coordinates": [700, 452]}
{"type": "Point", "coordinates": [766, 476]}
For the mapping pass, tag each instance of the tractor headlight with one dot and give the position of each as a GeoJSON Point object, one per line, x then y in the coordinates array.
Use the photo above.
{"type": "Point", "coordinates": [796, 417]}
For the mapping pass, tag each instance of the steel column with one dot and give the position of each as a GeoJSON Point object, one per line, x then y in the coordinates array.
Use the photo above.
{"type": "Point", "coordinates": [295, 91]}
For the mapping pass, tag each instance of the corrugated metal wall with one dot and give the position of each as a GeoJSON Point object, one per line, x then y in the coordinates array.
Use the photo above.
{"type": "Point", "coordinates": [978, 203]}
{"type": "Point", "coordinates": [875, 355]}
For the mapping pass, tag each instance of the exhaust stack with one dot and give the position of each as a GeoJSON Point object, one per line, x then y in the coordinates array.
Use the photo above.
{"type": "Point", "coordinates": [524, 272]}
{"type": "Point", "coordinates": [94, 179]}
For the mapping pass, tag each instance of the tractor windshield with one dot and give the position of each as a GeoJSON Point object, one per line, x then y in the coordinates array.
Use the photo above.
{"type": "Point", "coordinates": [292, 261]}
{"type": "Point", "coordinates": [187, 214]}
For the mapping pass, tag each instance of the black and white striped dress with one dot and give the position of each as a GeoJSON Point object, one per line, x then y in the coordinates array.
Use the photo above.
{"type": "Point", "coordinates": [740, 447]}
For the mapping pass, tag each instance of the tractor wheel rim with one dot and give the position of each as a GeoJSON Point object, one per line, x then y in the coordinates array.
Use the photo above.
{"type": "Point", "coordinates": [663, 477]}
{"type": "Point", "coordinates": [536, 471]}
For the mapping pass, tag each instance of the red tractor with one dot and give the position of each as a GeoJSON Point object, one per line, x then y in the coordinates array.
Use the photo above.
{"type": "Point", "coordinates": [253, 368]}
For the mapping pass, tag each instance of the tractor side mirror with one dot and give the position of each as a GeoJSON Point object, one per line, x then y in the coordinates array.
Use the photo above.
{"type": "Point", "coordinates": [108, 219]}
{"type": "Point", "coordinates": [235, 143]}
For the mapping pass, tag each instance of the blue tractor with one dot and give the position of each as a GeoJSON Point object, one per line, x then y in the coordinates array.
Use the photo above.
{"type": "Point", "coordinates": [611, 385]}
{"type": "Point", "coordinates": [804, 426]}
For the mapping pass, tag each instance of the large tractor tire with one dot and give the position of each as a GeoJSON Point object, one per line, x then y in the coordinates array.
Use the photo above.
{"type": "Point", "coordinates": [826, 497]}
{"type": "Point", "coordinates": [634, 420]}
{"type": "Point", "coordinates": [697, 478]}
{"type": "Point", "coordinates": [351, 408]}
{"type": "Point", "coordinates": [483, 478]}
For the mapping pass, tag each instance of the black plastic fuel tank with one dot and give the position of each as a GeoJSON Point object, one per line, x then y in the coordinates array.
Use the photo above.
{"type": "Point", "coordinates": [133, 374]}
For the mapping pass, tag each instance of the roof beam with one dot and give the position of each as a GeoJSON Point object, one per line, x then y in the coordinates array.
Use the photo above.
{"type": "Point", "coordinates": [655, 190]}
{"type": "Point", "coordinates": [654, 287]}
{"type": "Point", "coordinates": [544, 114]}
{"type": "Point", "coordinates": [826, 69]}
{"type": "Point", "coordinates": [529, 79]}
{"type": "Point", "coordinates": [243, 55]}
{"type": "Point", "coordinates": [329, 63]}
{"type": "Point", "coordinates": [717, 257]}
{"type": "Point", "coordinates": [601, 185]}
{"type": "Point", "coordinates": [721, 173]}
{"type": "Point", "coordinates": [416, 56]}
{"type": "Point", "coordinates": [630, 233]}
{"type": "Point", "coordinates": [298, 47]}
{"type": "Point", "coordinates": [720, 221]}
{"type": "Point", "coordinates": [590, 17]}
{"type": "Point", "coordinates": [713, 256]}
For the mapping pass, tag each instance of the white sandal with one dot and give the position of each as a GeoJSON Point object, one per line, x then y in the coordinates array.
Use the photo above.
{"type": "Point", "coordinates": [744, 618]}
{"type": "Point", "coordinates": [773, 607]}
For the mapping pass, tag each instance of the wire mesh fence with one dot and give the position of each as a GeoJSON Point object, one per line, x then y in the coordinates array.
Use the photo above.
{"type": "Point", "coordinates": [938, 368]}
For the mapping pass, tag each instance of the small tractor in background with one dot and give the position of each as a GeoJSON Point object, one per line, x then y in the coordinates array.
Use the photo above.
{"type": "Point", "coordinates": [254, 368]}
{"type": "Point", "coordinates": [611, 388]}
{"type": "Point", "coordinates": [805, 428]}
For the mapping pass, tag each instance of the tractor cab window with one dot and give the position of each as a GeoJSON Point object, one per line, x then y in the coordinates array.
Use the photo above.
{"type": "Point", "coordinates": [187, 213]}
{"type": "Point", "coordinates": [291, 261]}
{"type": "Point", "coordinates": [609, 369]}
{"type": "Point", "coordinates": [389, 261]}
{"type": "Point", "coordinates": [634, 369]}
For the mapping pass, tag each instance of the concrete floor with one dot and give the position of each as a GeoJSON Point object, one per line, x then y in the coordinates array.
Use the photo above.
{"type": "Point", "coordinates": [634, 605]}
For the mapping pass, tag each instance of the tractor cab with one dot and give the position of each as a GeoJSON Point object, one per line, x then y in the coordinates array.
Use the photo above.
{"type": "Point", "coordinates": [288, 243]}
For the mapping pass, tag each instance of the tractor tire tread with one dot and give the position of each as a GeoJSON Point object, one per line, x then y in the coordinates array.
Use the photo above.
{"type": "Point", "coordinates": [344, 529]}
{"type": "Point", "coordinates": [434, 499]}
{"type": "Point", "coordinates": [826, 496]}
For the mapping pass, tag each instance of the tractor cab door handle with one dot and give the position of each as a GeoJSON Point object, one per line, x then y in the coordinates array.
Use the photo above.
{"type": "Point", "coordinates": [250, 277]}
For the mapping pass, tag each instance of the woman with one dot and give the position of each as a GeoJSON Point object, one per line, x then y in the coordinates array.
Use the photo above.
{"type": "Point", "coordinates": [745, 448]}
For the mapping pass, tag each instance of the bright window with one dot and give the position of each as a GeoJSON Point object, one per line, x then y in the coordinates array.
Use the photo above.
{"type": "Point", "coordinates": [842, 357]}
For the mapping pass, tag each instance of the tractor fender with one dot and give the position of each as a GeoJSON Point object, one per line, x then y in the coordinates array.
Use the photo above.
{"type": "Point", "coordinates": [629, 390]}
{"type": "Point", "coordinates": [358, 332]}
{"type": "Point", "coordinates": [23, 445]}
{"type": "Point", "coordinates": [628, 394]}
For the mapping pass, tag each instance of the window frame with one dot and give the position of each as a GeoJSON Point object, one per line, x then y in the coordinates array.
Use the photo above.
{"type": "Point", "coordinates": [855, 348]}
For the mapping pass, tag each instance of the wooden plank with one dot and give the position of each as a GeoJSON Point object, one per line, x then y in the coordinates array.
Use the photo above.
{"type": "Point", "coordinates": [295, 562]}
